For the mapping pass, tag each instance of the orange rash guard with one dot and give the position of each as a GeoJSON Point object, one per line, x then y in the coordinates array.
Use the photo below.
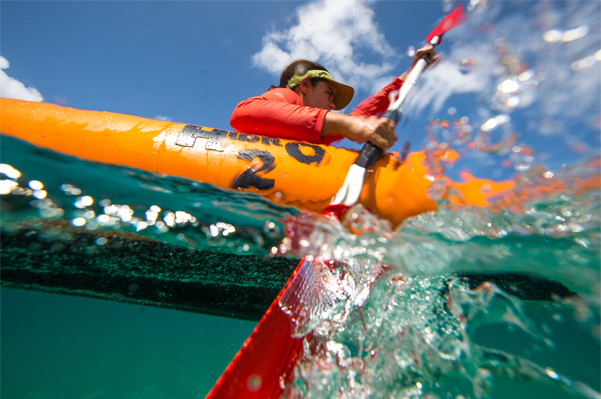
{"type": "Point", "coordinates": [280, 113]}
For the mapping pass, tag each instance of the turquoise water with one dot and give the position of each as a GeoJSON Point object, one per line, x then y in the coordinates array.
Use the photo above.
{"type": "Point", "coordinates": [391, 318]}
{"type": "Point", "coordinates": [69, 347]}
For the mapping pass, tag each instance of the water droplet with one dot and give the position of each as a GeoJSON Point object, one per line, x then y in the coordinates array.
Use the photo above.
{"type": "Point", "coordinates": [551, 373]}
{"type": "Point", "coordinates": [254, 383]}
{"type": "Point", "coordinates": [9, 171]}
{"type": "Point", "coordinates": [40, 194]}
{"type": "Point", "coordinates": [552, 36]}
{"type": "Point", "coordinates": [78, 222]}
{"type": "Point", "coordinates": [508, 86]}
{"type": "Point", "coordinates": [575, 34]}
{"type": "Point", "coordinates": [466, 66]}
{"type": "Point", "coordinates": [36, 185]}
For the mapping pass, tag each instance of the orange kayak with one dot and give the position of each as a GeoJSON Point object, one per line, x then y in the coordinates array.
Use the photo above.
{"type": "Point", "coordinates": [291, 173]}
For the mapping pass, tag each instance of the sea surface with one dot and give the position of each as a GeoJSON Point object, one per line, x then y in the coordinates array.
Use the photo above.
{"type": "Point", "coordinates": [397, 312]}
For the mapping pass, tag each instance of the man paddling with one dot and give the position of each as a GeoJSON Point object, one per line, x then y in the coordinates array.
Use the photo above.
{"type": "Point", "coordinates": [298, 109]}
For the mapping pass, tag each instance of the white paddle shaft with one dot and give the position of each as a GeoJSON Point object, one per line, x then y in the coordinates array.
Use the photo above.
{"type": "Point", "coordinates": [353, 184]}
{"type": "Point", "coordinates": [411, 80]}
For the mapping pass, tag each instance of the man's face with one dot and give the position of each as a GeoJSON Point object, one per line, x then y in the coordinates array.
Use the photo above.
{"type": "Point", "coordinates": [320, 95]}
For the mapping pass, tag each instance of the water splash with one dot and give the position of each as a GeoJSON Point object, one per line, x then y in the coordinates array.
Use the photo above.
{"type": "Point", "coordinates": [411, 333]}
{"type": "Point", "coordinates": [384, 315]}
{"type": "Point", "coordinates": [547, 226]}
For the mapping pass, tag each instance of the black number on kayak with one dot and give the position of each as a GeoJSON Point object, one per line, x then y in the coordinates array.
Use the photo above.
{"type": "Point", "coordinates": [249, 177]}
{"type": "Point", "coordinates": [190, 133]}
{"type": "Point", "coordinates": [249, 138]}
{"type": "Point", "coordinates": [294, 150]}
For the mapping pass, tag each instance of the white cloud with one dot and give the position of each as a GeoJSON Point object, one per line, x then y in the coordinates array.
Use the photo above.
{"type": "Point", "coordinates": [556, 90]}
{"type": "Point", "coordinates": [12, 88]}
{"type": "Point", "coordinates": [448, 78]}
{"type": "Point", "coordinates": [164, 118]}
{"type": "Point", "coordinates": [333, 32]}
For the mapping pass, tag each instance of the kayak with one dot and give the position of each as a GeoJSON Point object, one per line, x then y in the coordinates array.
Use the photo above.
{"type": "Point", "coordinates": [291, 173]}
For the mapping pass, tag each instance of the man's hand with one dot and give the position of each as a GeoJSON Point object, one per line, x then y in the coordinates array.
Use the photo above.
{"type": "Point", "coordinates": [428, 49]}
{"type": "Point", "coordinates": [378, 131]}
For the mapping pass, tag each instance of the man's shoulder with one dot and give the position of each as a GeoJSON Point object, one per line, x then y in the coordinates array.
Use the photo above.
{"type": "Point", "coordinates": [282, 94]}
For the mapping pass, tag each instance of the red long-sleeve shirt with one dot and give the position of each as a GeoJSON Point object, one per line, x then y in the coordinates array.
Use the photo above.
{"type": "Point", "coordinates": [280, 113]}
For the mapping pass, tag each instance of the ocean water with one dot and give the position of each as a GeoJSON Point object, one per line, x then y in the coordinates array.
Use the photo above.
{"type": "Point", "coordinates": [465, 302]}
{"type": "Point", "coordinates": [57, 346]}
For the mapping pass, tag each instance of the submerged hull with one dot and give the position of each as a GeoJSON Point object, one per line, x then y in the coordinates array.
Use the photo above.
{"type": "Point", "coordinates": [55, 257]}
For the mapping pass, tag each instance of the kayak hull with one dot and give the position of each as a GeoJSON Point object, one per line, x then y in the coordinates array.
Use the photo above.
{"type": "Point", "coordinates": [303, 175]}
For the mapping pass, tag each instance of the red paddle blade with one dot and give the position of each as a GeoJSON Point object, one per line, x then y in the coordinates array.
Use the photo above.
{"type": "Point", "coordinates": [452, 20]}
{"type": "Point", "coordinates": [264, 365]}
{"type": "Point", "coordinates": [336, 210]}
{"type": "Point", "coordinates": [261, 369]}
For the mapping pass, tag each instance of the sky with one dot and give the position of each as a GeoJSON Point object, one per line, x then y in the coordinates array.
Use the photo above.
{"type": "Point", "coordinates": [193, 61]}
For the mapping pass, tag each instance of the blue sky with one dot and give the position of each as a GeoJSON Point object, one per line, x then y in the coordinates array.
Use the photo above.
{"type": "Point", "coordinates": [193, 61]}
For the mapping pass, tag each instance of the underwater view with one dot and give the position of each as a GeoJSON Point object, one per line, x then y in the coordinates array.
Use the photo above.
{"type": "Point", "coordinates": [496, 300]}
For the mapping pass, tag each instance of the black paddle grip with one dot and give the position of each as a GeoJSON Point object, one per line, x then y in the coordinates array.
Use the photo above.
{"type": "Point", "coordinates": [368, 155]}
{"type": "Point", "coordinates": [393, 114]}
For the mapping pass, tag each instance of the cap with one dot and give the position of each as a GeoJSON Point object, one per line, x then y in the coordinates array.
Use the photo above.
{"type": "Point", "coordinates": [344, 94]}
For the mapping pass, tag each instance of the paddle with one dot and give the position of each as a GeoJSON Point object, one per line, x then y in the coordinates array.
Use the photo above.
{"type": "Point", "coordinates": [353, 184]}
{"type": "Point", "coordinates": [264, 364]}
